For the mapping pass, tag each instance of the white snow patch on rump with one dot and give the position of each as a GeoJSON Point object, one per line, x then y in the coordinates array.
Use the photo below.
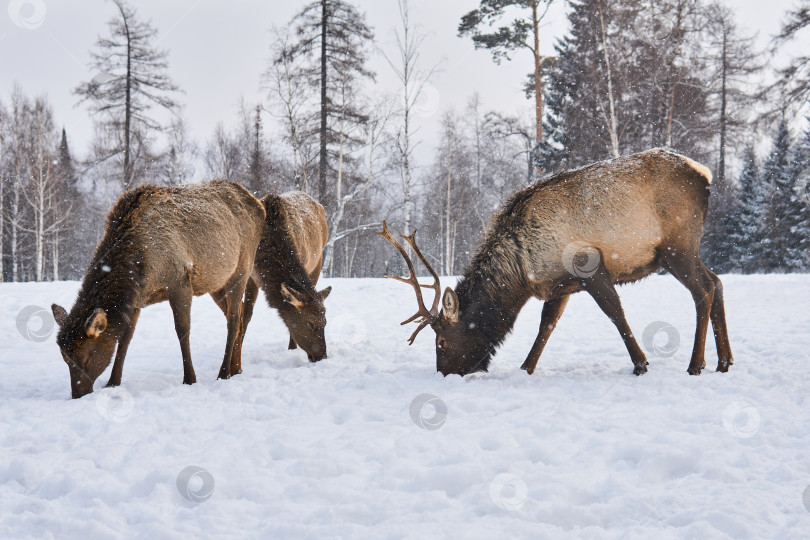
{"type": "Point", "coordinates": [702, 170]}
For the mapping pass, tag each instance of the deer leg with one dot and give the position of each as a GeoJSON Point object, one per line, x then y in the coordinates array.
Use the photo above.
{"type": "Point", "coordinates": [691, 273]}
{"type": "Point", "coordinates": [601, 288]}
{"type": "Point", "coordinates": [233, 312]}
{"type": "Point", "coordinates": [180, 302]}
{"type": "Point", "coordinates": [718, 316]}
{"type": "Point", "coordinates": [251, 293]}
{"type": "Point", "coordinates": [552, 310]}
{"type": "Point", "coordinates": [123, 344]}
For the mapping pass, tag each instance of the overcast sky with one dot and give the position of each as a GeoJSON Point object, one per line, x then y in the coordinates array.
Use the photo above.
{"type": "Point", "coordinates": [217, 50]}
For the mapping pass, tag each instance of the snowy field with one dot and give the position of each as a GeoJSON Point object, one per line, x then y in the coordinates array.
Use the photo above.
{"type": "Point", "coordinates": [351, 448]}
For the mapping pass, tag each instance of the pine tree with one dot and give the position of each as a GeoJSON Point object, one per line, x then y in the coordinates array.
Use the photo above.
{"type": "Point", "coordinates": [522, 33]}
{"type": "Point", "coordinates": [797, 208]}
{"type": "Point", "coordinates": [333, 38]}
{"type": "Point", "coordinates": [742, 222]}
{"type": "Point", "coordinates": [131, 77]}
{"type": "Point", "coordinates": [776, 185]}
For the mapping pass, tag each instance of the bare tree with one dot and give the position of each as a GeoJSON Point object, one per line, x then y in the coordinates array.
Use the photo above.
{"type": "Point", "coordinates": [41, 191]}
{"type": "Point", "coordinates": [223, 156]}
{"type": "Point", "coordinates": [413, 78]}
{"type": "Point", "coordinates": [375, 137]}
{"type": "Point", "coordinates": [285, 81]}
{"type": "Point", "coordinates": [131, 77]}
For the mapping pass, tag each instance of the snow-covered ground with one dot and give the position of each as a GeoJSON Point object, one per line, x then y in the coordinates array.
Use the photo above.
{"type": "Point", "coordinates": [289, 449]}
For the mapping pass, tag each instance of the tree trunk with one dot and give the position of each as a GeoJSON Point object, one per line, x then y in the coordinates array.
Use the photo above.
{"type": "Point", "coordinates": [538, 75]}
{"type": "Point", "coordinates": [127, 107]}
{"type": "Point", "coordinates": [55, 255]}
{"type": "Point", "coordinates": [448, 261]}
{"type": "Point", "coordinates": [324, 110]}
{"type": "Point", "coordinates": [613, 127]}
{"type": "Point", "coordinates": [721, 167]}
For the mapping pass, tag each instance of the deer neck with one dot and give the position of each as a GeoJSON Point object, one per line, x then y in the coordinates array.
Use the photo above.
{"type": "Point", "coordinates": [491, 294]}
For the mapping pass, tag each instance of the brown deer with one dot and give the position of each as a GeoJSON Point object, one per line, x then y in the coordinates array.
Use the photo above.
{"type": "Point", "coordinates": [586, 229]}
{"type": "Point", "coordinates": [288, 265]}
{"type": "Point", "coordinates": [161, 243]}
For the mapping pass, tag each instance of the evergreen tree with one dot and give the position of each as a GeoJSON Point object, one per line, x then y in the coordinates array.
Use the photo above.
{"type": "Point", "coordinates": [131, 77]}
{"type": "Point", "coordinates": [333, 39]}
{"type": "Point", "coordinates": [522, 33]}
{"type": "Point", "coordinates": [797, 208]}
{"type": "Point", "coordinates": [742, 222]}
{"type": "Point", "coordinates": [776, 186]}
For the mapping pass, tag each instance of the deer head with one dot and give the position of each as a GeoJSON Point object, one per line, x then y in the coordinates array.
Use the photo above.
{"type": "Point", "coordinates": [305, 317]}
{"type": "Point", "coordinates": [87, 346]}
{"type": "Point", "coordinates": [455, 345]}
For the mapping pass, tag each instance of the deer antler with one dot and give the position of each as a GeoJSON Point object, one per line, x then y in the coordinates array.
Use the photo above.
{"type": "Point", "coordinates": [427, 316]}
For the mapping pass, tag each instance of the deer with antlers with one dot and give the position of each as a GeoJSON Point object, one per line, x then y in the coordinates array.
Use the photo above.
{"type": "Point", "coordinates": [588, 229]}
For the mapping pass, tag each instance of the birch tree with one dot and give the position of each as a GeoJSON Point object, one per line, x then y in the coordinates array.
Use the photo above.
{"type": "Point", "coordinates": [413, 78]}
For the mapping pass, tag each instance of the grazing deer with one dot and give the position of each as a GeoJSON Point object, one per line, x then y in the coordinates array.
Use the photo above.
{"type": "Point", "coordinates": [161, 243]}
{"type": "Point", "coordinates": [288, 265]}
{"type": "Point", "coordinates": [586, 229]}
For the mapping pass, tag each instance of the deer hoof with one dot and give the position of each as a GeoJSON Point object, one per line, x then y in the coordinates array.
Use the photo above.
{"type": "Point", "coordinates": [723, 365]}
{"type": "Point", "coordinates": [527, 369]}
{"type": "Point", "coordinates": [694, 371]}
{"type": "Point", "coordinates": [640, 369]}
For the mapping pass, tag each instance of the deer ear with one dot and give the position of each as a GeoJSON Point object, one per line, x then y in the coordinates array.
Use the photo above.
{"type": "Point", "coordinates": [450, 305]}
{"type": "Point", "coordinates": [291, 296]}
{"type": "Point", "coordinates": [59, 315]}
{"type": "Point", "coordinates": [324, 293]}
{"type": "Point", "coordinates": [96, 323]}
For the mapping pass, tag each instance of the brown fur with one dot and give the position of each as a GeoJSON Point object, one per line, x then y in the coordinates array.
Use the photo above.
{"type": "Point", "coordinates": [288, 265]}
{"type": "Point", "coordinates": [161, 243]}
{"type": "Point", "coordinates": [588, 229]}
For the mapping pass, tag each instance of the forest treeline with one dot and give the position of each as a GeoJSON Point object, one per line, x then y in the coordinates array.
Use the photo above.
{"type": "Point", "coordinates": [628, 75]}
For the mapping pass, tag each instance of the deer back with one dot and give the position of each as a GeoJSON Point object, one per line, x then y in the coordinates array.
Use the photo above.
{"type": "Point", "coordinates": [305, 220]}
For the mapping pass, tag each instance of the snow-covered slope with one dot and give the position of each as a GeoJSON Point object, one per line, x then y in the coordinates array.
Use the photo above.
{"type": "Point", "coordinates": [350, 447]}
